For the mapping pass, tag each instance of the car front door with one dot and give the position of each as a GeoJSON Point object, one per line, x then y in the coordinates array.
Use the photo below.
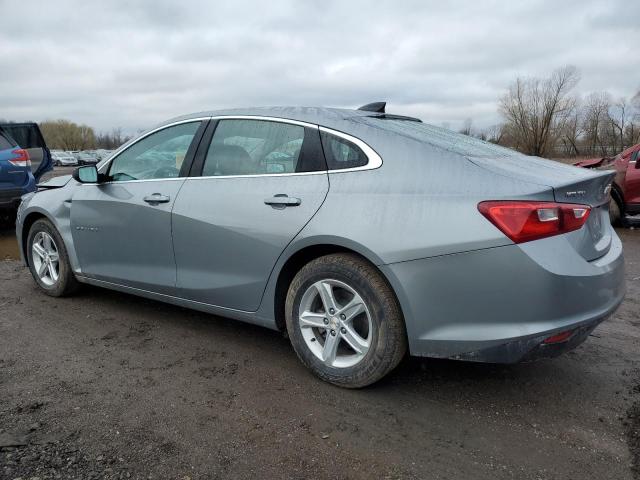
{"type": "Point", "coordinates": [256, 184]}
{"type": "Point", "coordinates": [121, 226]}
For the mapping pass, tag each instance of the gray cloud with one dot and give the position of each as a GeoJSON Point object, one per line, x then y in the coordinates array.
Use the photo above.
{"type": "Point", "coordinates": [133, 64]}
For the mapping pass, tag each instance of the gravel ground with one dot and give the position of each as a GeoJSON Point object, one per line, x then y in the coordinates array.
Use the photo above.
{"type": "Point", "coordinates": [107, 385]}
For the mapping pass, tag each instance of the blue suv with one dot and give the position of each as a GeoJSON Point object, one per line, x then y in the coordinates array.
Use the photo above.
{"type": "Point", "coordinates": [24, 158]}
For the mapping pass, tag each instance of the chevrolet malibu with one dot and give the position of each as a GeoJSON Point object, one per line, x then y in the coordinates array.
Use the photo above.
{"type": "Point", "coordinates": [361, 234]}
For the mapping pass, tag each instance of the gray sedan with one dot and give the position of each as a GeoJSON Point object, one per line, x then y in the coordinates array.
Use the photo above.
{"type": "Point", "coordinates": [362, 234]}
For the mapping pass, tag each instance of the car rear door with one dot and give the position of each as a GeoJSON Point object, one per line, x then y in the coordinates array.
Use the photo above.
{"type": "Point", "coordinates": [121, 226]}
{"type": "Point", "coordinates": [255, 184]}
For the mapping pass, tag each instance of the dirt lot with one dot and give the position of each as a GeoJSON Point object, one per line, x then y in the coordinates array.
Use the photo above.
{"type": "Point", "coordinates": [107, 385]}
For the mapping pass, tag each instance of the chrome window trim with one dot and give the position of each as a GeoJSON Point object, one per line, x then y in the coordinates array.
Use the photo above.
{"type": "Point", "coordinates": [170, 179]}
{"type": "Point", "coordinates": [128, 145]}
{"type": "Point", "coordinates": [260, 175]}
{"type": "Point", "coordinates": [374, 160]}
{"type": "Point", "coordinates": [265, 118]}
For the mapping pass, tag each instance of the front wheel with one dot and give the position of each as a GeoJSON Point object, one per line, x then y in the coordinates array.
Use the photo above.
{"type": "Point", "coordinates": [48, 260]}
{"type": "Point", "coordinates": [615, 213]}
{"type": "Point", "coordinates": [344, 321]}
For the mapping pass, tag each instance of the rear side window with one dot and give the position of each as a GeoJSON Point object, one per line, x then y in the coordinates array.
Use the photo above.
{"type": "Point", "coordinates": [254, 147]}
{"type": "Point", "coordinates": [341, 153]}
{"type": "Point", "coordinates": [5, 143]}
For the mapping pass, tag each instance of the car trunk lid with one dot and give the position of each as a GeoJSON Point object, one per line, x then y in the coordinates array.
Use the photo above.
{"type": "Point", "coordinates": [570, 185]}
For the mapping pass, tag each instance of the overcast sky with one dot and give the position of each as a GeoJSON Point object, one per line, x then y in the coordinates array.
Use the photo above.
{"type": "Point", "coordinates": [135, 63]}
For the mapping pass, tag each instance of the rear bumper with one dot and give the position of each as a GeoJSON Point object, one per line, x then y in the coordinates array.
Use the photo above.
{"type": "Point", "coordinates": [499, 304]}
{"type": "Point", "coordinates": [530, 349]}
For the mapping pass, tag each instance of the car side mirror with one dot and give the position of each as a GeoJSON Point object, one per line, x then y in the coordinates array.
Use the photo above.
{"type": "Point", "coordinates": [86, 174]}
{"type": "Point", "coordinates": [634, 158]}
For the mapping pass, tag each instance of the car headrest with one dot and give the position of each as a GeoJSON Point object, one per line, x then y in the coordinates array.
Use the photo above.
{"type": "Point", "coordinates": [230, 160]}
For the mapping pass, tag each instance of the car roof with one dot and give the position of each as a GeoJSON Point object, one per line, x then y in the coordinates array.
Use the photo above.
{"type": "Point", "coordinates": [368, 126]}
{"type": "Point", "coordinates": [328, 117]}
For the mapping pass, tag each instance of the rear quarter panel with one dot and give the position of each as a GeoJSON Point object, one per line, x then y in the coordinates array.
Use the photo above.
{"type": "Point", "coordinates": [422, 202]}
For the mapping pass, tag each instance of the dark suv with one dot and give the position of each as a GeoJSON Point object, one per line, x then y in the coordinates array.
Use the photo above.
{"type": "Point", "coordinates": [24, 157]}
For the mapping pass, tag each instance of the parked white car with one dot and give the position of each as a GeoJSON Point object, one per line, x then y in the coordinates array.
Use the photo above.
{"type": "Point", "coordinates": [61, 158]}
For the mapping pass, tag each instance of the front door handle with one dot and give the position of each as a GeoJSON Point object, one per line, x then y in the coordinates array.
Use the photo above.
{"type": "Point", "coordinates": [282, 200]}
{"type": "Point", "coordinates": [156, 198]}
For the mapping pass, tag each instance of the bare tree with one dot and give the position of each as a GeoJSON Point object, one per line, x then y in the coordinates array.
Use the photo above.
{"type": "Point", "coordinates": [87, 137]}
{"type": "Point", "coordinates": [494, 133]}
{"type": "Point", "coordinates": [570, 134]}
{"type": "Point", "coordinates": [466, 127]}
{"type": "Point", "coordinates": [535, 110]}
{"type": "Point", "coordinates": [619, 118]}
{"type": "Point", "coordinates": [595, 122]}
{"type": "Point", "coordinates": [67, 135]}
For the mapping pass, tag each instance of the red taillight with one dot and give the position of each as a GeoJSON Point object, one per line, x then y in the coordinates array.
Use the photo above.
{"type": "Point", "coordinates": [21, 158]}
{"type": "Point", "coordinates": [559, 337]}
{"type": "Point", "coordinates": [523, 221]}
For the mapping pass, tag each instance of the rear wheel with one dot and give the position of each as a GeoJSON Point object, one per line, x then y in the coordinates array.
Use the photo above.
{"type": "Point", "coordinates": [48, 260]}
{"type": "Point", "coordinates": [344, 321]}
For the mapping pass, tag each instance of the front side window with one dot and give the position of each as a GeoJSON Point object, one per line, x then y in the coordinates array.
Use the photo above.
{"type": "Point", "coordinates": [159, 155]}
{"type": "Point", "coordinates": [341, 153]}
{"type": "Point", "coordinates": [254, 147]}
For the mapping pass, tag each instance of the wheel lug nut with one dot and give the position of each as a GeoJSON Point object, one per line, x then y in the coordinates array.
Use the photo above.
{"type": "Point", "coordinates": [343, 316]}
{"type": "Point", "coordinates": [333, 333]}
{"type": "Point", "coordinates": [343, 330]}
{"type": "Point", "coordinates": [332, 311]}
{"type": "Point", "coordinates": [326, 321]}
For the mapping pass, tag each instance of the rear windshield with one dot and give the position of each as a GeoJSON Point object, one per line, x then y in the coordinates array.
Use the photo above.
{"type": "Point", "coordinates": [441, 138]}
{"type": "Point", "coordinates": [27, 136]}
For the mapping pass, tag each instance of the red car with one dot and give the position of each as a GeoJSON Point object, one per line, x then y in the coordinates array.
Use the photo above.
{"type": "Point", "coordinates": [625, 192]}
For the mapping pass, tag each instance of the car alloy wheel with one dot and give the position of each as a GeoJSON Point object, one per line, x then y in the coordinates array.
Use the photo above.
{"type": "Point", "coordinates": [46, 259]}
{"type": "Point", "coordinates": [335, 323]}
{"type": "Point", "coordinates": [344, 321]}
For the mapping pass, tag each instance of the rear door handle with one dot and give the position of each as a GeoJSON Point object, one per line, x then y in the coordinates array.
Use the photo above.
{"type": "Point", "coordinates": [282, 200]}
{"type": "Point", "coordinates": [156, 198]}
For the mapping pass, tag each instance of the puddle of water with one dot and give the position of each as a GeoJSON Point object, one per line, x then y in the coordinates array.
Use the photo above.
{"type": "Point", "coordinates": [8, 244]}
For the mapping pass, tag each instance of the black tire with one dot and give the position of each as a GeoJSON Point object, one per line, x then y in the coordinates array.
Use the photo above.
{"type": "Point", "coordinates": [615, 212]}
{"type": "Point", "coordinates": [66, 282]}
{"type": "Point", "coordinates": [388, 342]}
